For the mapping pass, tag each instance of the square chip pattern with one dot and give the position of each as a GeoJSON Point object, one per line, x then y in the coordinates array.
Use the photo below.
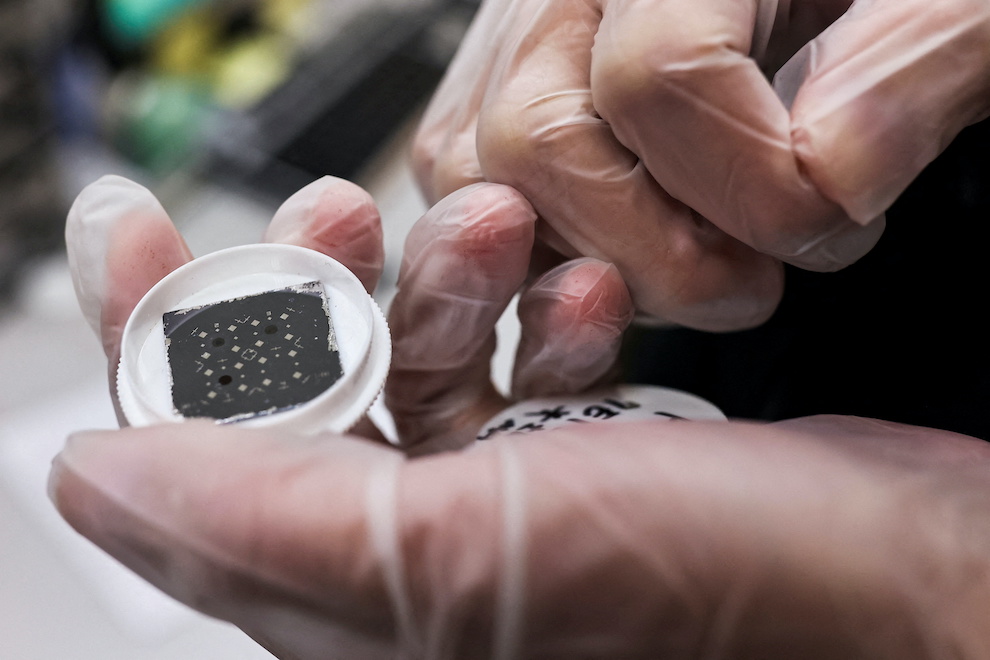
{"type": "Point", "coordinates": [252, 356]}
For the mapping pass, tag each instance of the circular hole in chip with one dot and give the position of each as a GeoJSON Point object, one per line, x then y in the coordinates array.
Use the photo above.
{"type": "Point", "coordinates": [271, 330]}
{"type": "Point", "coordinates": [225, 380]}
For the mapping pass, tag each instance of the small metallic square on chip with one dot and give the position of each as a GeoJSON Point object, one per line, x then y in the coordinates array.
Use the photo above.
{"type": "Point", "coordinates": [251, 356]}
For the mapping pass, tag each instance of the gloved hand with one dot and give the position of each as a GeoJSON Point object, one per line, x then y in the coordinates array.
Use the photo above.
{"type": "Point", "coordinates": [818, 538]}
{"type": "Point", "coordinates": [626, 123]}
{"type": "Point", "coordinates": [461, 266]}
{"type": "Point", "coordinates": [463, 263]}
{"type": "Point", "coordinates": [465, 260]}
{"type": "Point", "coordinates": [824, 537]}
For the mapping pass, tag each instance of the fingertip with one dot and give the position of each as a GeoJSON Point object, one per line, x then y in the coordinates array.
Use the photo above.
{"type": "Point", "coordinates": [843, 246]}
{"type": "Point", "coordinates": [60, 470]}
{"type": "Point", "coordinates": [339, 219]}
{"type": "Point", "coordinates": [197, 506]}
{"type": "Point", "coordinates": [483, 213]}
{"type": "Point", "coordinates": [120, 242]}
{"type": "Point", "coordinates": [484, 229]}
{"type": "Point", "coordinates": [107, 457]}
{"type": "Point", "coordinates": [708, 281]}
{"type": "Point", "coordinates": [586, 290]}
{"type": "Point", "coordinates": [327, 199]}
{"type": "Point", "coordinates": [483, 198]}
{"type": "Point", "coordinates": [86, 464]}
{"type": "Point", "coordinates": [859, 185]}
{"type": "Point", "coordinates": [107, 189]}
{"type": "Point", "coordinates": [872, 113]}
{"type": "Point", "coordinates": [102, 204]}
{"type": "Point", "coordinates": [463, 262]}
{"type": "Point", "coordinates": [498, 213]}
{"type": "Point", "coordinates": [612, 303]}
{"type": "Point", "coordinates": [572, 322]}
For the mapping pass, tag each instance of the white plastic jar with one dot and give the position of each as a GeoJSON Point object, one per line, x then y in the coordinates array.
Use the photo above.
{"type": "Point", "coordinates": [358, 332]}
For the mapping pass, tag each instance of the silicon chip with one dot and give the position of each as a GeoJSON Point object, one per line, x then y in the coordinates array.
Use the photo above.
{"type": "Point", "coordinates": [252, 356]}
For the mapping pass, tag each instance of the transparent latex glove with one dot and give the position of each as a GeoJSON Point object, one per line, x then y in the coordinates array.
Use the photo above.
{"type": "Point", "coordinates": [464, 261]}
{"type": "Point", "coordinates": [121, 242]}
{"type": "Point", "coordinates": [623, 122]}
{"type": "Point", "coordinates": [818, 538]}
{"type": "Point", "coordinates": [462, 264]}
{"type": "Point", "coordinates": [825, 537]}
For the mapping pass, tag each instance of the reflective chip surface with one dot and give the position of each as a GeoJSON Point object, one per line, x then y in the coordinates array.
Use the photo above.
{"type": "Point", "coordinates": [252, 356]}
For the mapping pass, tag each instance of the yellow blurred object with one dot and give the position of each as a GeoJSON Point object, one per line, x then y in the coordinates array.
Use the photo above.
{"type": "Point", "coordinates": [248, 70]}
{"type": "Point", "coordinates": [291, 17]}
{"type": "Point", "coordinates": [240, 72]}
{"type": "Point", "coordinates": [188, 46]}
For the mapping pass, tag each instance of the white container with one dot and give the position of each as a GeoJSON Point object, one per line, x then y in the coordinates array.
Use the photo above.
{"type": "Point", "coordinates": [144, 383]}
{"type": "Point", "coordinates": [620, 403]}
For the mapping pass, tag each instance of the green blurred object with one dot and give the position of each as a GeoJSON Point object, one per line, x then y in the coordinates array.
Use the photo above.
{"type": "Point", "coordinates": [134, 21]}
{"type": "Point", "coordinates": [158, 120]}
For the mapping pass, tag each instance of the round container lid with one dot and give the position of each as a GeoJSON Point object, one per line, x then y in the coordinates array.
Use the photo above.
{"type": "Point", "coordinates": [620, 403]}
{"type": "Point", "coordinates": [262, 335]}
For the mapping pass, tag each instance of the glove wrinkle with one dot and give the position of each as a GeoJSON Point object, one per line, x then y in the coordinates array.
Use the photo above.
{"type": "Point", "coordinates": [381, 501]}
{"type": "Point", "coordinates": [766, 17]}
{"type": "Point", "coordinates": [510, 592]}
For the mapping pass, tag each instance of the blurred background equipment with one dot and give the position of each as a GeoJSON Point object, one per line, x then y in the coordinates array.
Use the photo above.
{"type": "Point", "coordinates": [30, 211]}
{"type": "Point", "coordinates": [265, 95]}
{"type": "Point", "coordinates": [256, 96]}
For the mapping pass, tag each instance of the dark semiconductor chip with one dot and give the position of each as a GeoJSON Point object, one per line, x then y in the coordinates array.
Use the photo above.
{"type": "Point", "coordinates": [252, 356]}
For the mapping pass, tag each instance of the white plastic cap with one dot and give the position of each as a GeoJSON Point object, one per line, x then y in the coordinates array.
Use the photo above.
{"type": "Point", "coordinates": [144, 382]}
{"type": "Point", "coordinates": [621, 403]}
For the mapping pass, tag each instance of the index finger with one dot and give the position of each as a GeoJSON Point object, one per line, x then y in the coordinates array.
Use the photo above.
{"type": "Point", "coordinates": [463, 262]}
